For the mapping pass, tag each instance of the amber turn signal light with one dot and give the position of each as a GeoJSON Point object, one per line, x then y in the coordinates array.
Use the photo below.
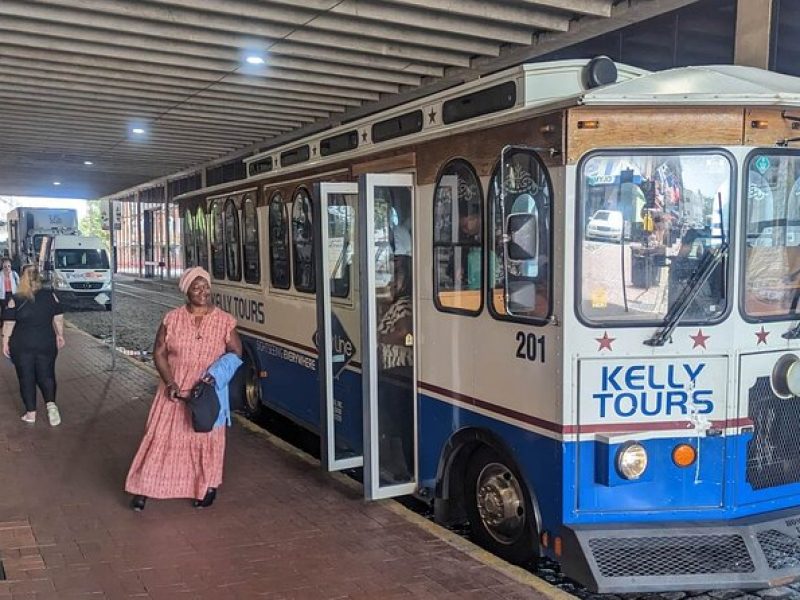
{"type": "Point", "coordinates": [684, 455]}
{"type": "Point", "coordinates": [588, 124]}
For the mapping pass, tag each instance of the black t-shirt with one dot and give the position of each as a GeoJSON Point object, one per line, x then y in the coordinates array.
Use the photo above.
{"type": "Point", "coordinates": [33, 329]}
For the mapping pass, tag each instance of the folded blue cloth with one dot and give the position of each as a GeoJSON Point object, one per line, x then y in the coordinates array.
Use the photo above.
{"type": "Point", "coordinates": [222, 370]}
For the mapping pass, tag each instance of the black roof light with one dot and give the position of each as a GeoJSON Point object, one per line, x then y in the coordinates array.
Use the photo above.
{"type": "Point", "coordinates": [601, 70]}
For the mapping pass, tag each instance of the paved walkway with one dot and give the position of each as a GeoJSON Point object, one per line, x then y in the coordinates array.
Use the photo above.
{"type": "Point", "coordinates": [280, 528]}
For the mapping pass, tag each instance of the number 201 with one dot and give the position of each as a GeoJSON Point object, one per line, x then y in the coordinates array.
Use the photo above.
{"type": "Point", "coordinates": [530, 346]}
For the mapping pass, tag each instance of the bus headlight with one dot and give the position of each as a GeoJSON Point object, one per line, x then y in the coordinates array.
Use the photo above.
{"type": "Point", "coordinates": [786, 376]}
{"type": "Point", "coordinates": [793, 378]}
{"type": "Point", "coordinates": [631, 460]}
{"type": "Point", "coordinates": [61, 284]}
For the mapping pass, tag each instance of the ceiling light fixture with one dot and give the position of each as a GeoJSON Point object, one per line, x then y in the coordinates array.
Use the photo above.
{"type": "Point", "coordinates": [88, 163]}
{"type": "Point", "coordinates": [254, 60]}
{"type": "Point", "coordinates": [137, 130]}
{"type": "Point", "coordinates": [56, 183]}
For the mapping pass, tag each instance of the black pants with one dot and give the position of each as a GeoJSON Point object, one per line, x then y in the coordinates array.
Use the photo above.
{"type": "Point", "coordinates": [35, 369]}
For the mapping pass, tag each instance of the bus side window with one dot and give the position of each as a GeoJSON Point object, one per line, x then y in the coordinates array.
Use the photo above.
{"type": "Point", "coordinates": [340, 230]}
{"type": "Point", "coordinates": [458, 240]}
{"type": "Point", "coordinates": [252, 266]}
{"type": "Point", "coordinates": [279, 273]}
{"type": "Point", "coordinates": [190, 256]}
{"type": "Point", "coordinates": [232, 247]}
{"type": "Point", "coordinates": [303, 242]}
{"type": "Point", "coordinates": [201, 237]}
{"type": "Point", "coordinates": [217, 241]}
{"type": "Point", "coordinates": [520, 242]}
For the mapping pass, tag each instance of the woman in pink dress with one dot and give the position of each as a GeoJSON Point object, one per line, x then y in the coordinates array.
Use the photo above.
{"type": "Point", "coordinates": [173, 461]}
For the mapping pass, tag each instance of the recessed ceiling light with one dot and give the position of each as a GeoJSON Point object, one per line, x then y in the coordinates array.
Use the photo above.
{"type": "Point", "coordinates": [88, 163]}
{"type": "Point", "coordinates": [56, 183]}
{"type": "Point", "coordinates": [137, 130]}
{"type": "Point", "coordinates": [254, 60]}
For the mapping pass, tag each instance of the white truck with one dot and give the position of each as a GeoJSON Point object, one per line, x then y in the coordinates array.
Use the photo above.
{"type": "Point", "coordinates": [78, 269]}
{"type": "Point", "coordinates": [28, 226]}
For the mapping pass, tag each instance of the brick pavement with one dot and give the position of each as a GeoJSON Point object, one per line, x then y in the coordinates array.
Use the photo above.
{"type": "Point", "coordinates": [280, 529]}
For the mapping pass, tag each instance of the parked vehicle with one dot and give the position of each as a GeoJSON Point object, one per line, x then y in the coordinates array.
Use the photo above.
{"type": "Point", "coordinates": [78, 269]}
{"type": "Point", "coordinates": [629, 411]}
{"type": "Point", "coordinates": [27, 228]}
{"type": "Point", "coordinates": [605, 225]}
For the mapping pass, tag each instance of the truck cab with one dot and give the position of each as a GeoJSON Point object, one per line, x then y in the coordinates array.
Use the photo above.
{"type": "Point", "coordinates": [78, 269]}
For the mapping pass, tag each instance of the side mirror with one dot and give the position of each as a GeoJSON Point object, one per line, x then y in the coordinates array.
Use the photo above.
{"type": "Point", "coordinates": [522, 230]}
{"type": "Point", "coordinates": [48, 265]}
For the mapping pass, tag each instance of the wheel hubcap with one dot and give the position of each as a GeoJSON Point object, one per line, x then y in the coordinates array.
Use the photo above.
{"type": "Point", "coordinates": [252, 390]}
{"type": "Point", "coordinates": [500, 503]}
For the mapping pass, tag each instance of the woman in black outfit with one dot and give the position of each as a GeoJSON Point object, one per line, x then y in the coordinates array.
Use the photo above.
{"type": "Point", "coordinates": [33, 332]}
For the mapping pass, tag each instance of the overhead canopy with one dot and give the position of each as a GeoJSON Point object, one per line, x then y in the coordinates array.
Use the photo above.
{"type": "Point", "coordinates": [77, 76]}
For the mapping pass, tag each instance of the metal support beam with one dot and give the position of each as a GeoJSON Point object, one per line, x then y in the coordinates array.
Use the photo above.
{"type": "Point", "coordinates": [167, 221]}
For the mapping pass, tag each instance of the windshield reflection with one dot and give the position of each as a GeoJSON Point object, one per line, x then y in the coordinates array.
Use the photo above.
{"type": "Point", "coordinates": [648, 221]}
{"type": "Point", "coordinates": [772, 256]}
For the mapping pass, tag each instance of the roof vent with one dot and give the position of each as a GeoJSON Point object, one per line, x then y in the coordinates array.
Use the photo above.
{"type": "Point", "coordinates": [601, 70]}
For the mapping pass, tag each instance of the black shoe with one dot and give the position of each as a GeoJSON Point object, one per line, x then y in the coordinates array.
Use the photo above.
{"type": "Point", "coordinates": [208, 500]}
{"type": "Point", "coordinates": [137, 503]}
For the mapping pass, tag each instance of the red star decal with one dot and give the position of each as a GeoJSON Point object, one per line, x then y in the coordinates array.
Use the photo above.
{"type": "Point", "coordinates": [700, 339]}
{"type": "Point", "coordinates": [605, 342]}
{"type": "Point", "coordinates": [762, 336]}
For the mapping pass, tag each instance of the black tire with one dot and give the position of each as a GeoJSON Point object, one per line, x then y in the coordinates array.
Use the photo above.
{"type": "Point", "coordinates": [508, 525]}
{"type": "Point", "coordinates": [108, 307]}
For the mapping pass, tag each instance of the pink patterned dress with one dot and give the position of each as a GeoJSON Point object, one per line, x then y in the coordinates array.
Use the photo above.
{"type": "Point", "coordinates": [173, 461]}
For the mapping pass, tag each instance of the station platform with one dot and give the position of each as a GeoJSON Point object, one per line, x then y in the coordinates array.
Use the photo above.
{"type": "Point", "coordinates": [280, 528]}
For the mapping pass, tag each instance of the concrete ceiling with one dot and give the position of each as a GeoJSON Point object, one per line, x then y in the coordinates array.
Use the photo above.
{"type": "Point", "coordinates": [76, 76]}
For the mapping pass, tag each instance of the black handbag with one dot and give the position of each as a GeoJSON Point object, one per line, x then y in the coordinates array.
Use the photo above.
{"type": "Point", "coordinates": [204, 404]}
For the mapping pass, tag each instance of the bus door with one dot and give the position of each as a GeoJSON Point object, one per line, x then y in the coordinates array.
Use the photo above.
{"type": "Point", "coordinates": [338, 328]}
{"type": "Point", "coordinates": [386, 266]}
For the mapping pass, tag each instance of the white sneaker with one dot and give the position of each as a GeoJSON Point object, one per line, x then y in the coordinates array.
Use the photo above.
{"type": "Point", "coordinates": [29, 417]}
{"type": "Point", "coordinates": [53, 415]}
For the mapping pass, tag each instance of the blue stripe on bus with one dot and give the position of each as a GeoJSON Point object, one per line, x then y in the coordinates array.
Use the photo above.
{"type": "Point", "coordinates": [550, 467]}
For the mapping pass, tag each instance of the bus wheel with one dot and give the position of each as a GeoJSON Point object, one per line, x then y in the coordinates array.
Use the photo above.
{"type": "Point", "coordinates": [252, 389]}
{"type": "Point", "coordinates": [499, 507]}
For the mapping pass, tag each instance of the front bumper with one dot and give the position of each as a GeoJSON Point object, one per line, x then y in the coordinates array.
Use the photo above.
{"type": "Point", "coordinates": [750, 553]}
{"type": "Point", "coordinates": [79, 295]}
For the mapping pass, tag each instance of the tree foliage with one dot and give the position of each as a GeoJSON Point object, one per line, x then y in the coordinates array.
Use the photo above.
{"type": "Point", "coordinates": [91, 223]}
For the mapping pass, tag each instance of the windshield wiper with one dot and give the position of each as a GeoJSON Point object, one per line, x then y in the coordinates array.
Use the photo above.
{"type": "Point", "coordinates": [710, 261]}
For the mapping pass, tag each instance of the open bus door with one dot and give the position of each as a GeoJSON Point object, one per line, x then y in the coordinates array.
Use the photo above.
{"type": "Point", "coordinates": [338, 328]}
{"type": "Point", "coordinates": [368, 227]}
{"type": "Point", "coordinates": [385, 242]}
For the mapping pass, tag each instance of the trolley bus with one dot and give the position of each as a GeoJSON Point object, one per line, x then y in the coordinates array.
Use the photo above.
{"type": "Point", "coordinates": [557, 302]}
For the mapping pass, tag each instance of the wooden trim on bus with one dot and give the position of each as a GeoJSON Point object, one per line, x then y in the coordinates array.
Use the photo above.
{"type": "Point", "coordinates": [767, 126]}
{"type": "Point", "coordinates": [386, 164]}
{"type": "Point", "coordinates": [653, 126]}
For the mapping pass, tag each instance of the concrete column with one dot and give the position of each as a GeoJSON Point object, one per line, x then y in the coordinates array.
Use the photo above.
{"type": "Point", "coordinates": [753, 29]}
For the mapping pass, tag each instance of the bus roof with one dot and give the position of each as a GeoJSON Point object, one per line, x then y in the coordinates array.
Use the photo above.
{"type": "Point", "coordinates": [537, 87]}
{"type": "Point", "coordinates": [703, 85]}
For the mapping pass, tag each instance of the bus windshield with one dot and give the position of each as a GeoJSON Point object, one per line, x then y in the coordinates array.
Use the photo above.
{"type": "Point", "coordinates": [772, 257]}
{"type": "Point", "coordinates": [80, 258]}
{"type": "Point", "coordinates": [647, 223]}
